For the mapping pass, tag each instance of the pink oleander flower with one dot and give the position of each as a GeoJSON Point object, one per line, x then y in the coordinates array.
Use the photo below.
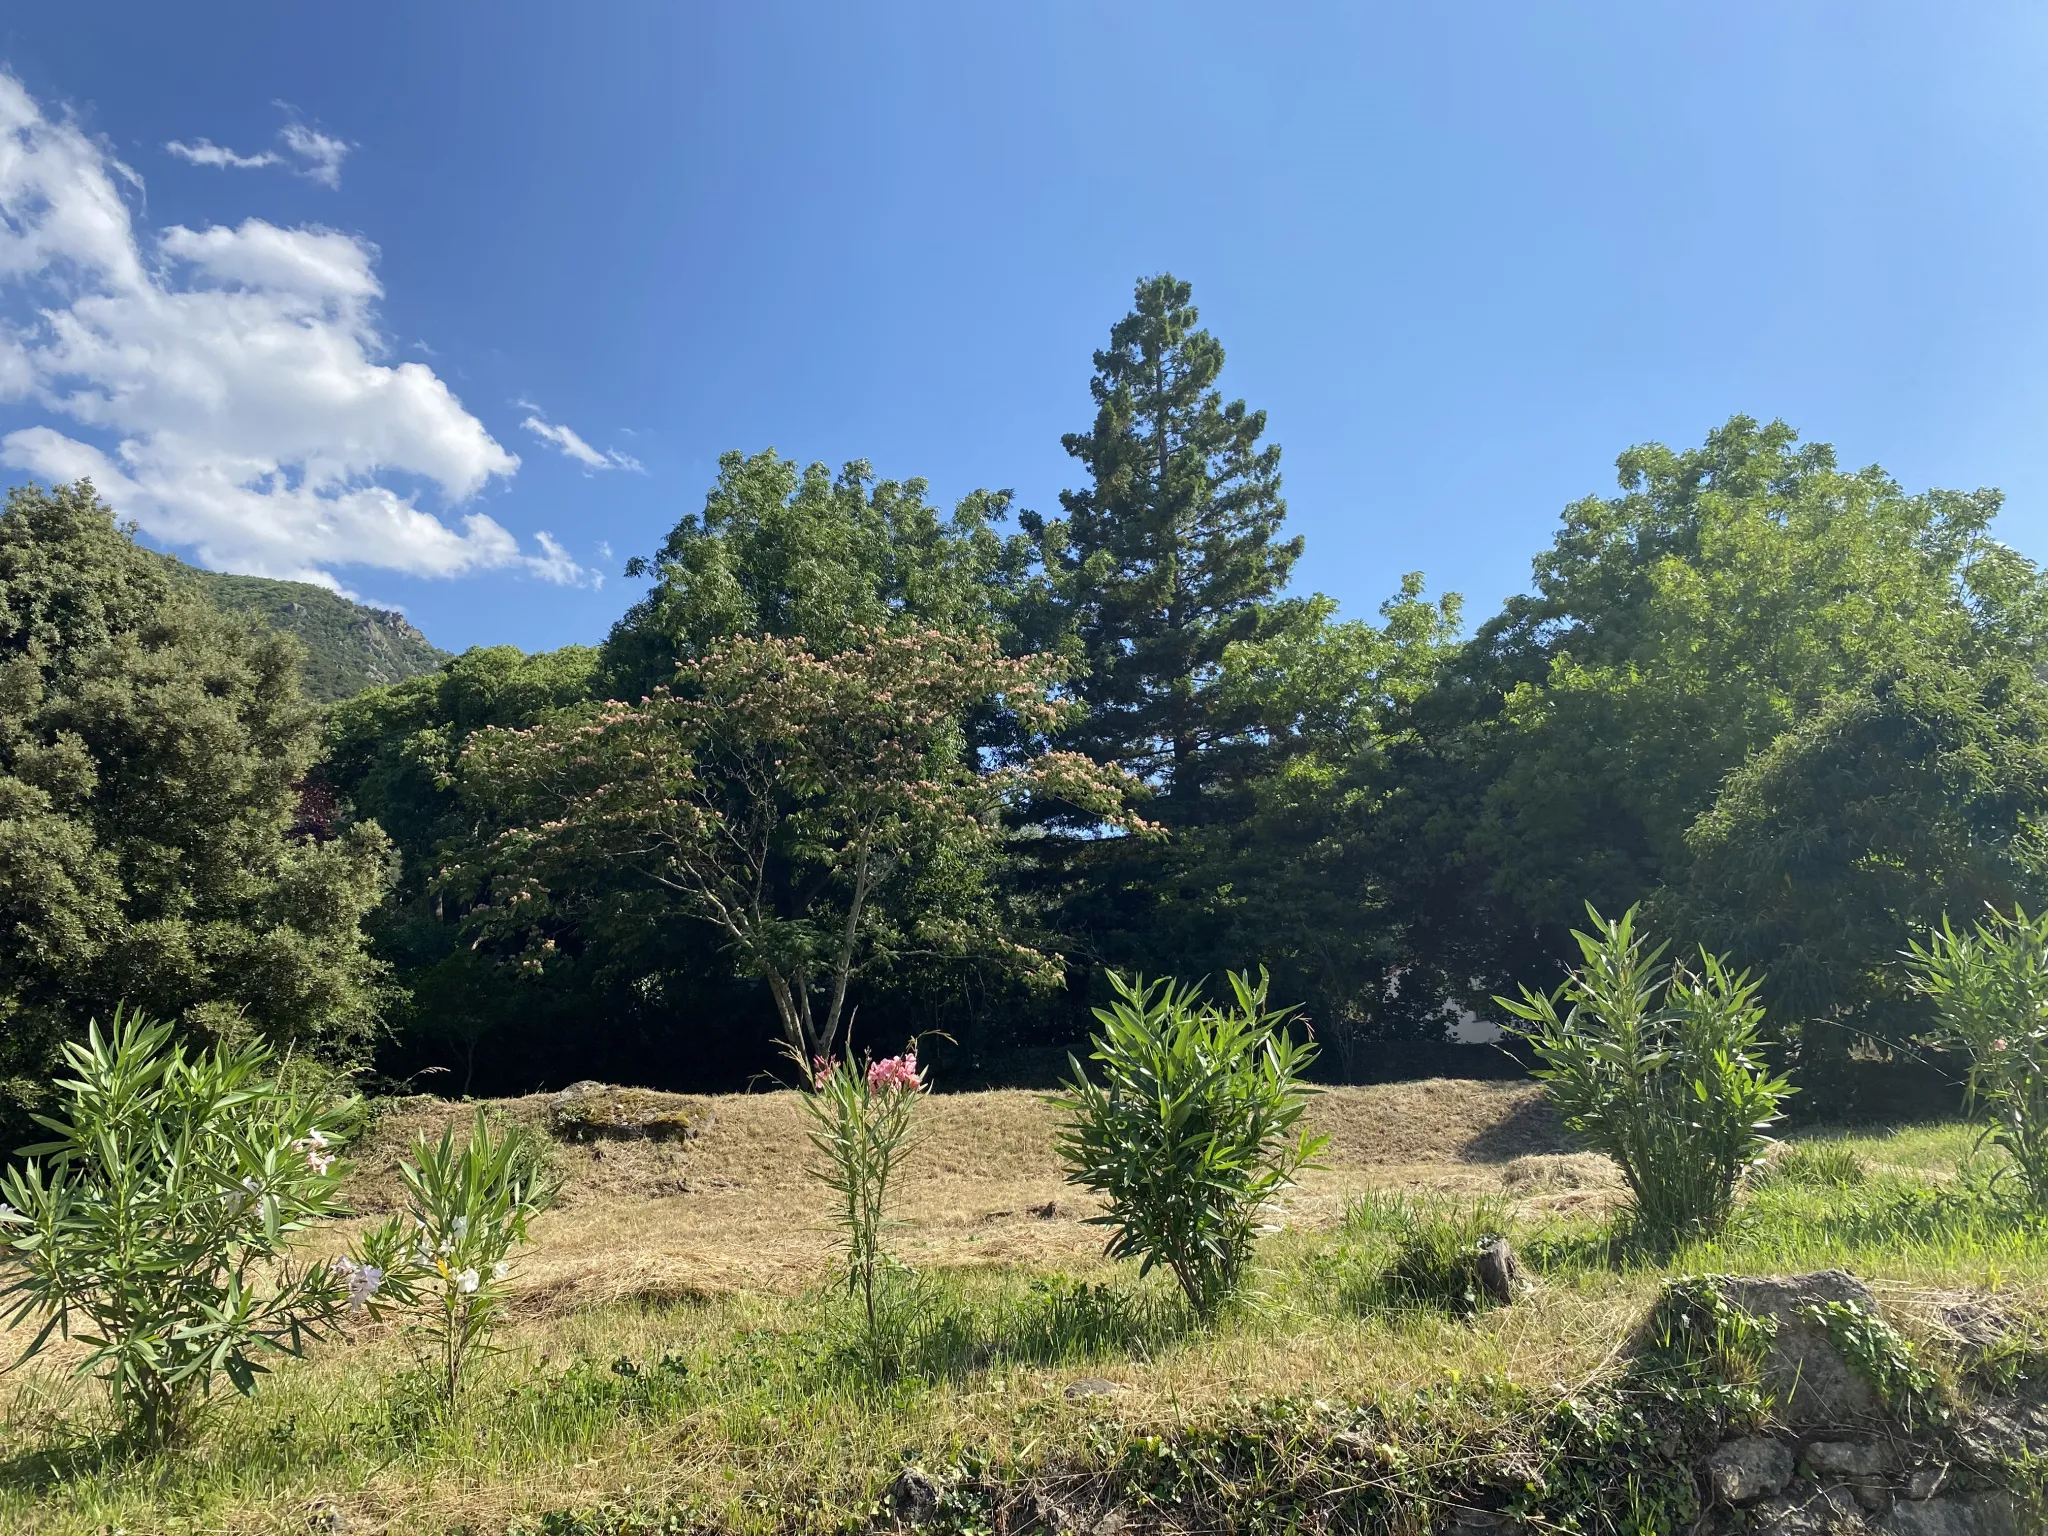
{"type": "Point", "coordinates": [895, 1074]}
{"type": "Point", "coordinates": [314, 1145]}
{"type": "Point", "coordinates": [1998, 1044]}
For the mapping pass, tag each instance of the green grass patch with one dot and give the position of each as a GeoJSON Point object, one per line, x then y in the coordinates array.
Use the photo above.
{"type": "Point", "coordinates": [1357, 1379]}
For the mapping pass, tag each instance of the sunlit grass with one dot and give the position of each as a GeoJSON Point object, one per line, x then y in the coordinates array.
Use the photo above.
{"type": "Point", "coordinates": [756, 1411]}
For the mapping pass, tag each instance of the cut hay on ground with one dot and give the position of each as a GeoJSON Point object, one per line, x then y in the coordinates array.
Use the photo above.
{"type": "Point", "coordinates": [728, 1206]}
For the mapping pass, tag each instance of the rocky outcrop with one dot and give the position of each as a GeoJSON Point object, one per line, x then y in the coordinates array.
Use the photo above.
{"type": "Point", "coordinates": [1753, 1467]}
{"type": "Point", "coordinates": [1814, 1387]}
{"type": "Point", "coordinates": [593, 1111]}
{"type": "Point", "coordinates": [1832, 1461]}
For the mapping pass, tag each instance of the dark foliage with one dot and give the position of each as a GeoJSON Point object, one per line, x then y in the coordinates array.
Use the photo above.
{"type": "Point", "coordinates": [152, 753]}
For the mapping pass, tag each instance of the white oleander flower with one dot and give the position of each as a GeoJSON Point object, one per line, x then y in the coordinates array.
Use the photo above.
{"type": "Point", "coordinates": [364, 1280]}
{"type": "Point", "coordinates": [466, 1282]}
{"type": "Point", "coordinates": [500, 1270]}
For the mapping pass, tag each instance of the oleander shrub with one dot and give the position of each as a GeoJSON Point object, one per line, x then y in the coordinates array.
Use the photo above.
{"type": "Point", "coordinates": [155, 1226]}
{"type": "Point", "coordinates": [863, 1124]}
{"type": "Point", "coordinates": [1661, 1068]}
{"type": "Point", "coordinates": [1989, 988]}
{"type": "Point", "coordinates": [1190, 1128]}
{"type": "Point", "coordinates": [447, 1258]}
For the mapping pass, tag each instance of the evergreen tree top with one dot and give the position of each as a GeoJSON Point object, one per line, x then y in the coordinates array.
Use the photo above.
{"type": "Point", "coordinates": [1172, 551]}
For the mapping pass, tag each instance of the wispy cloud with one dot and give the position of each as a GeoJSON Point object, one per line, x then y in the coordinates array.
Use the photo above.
{"type": "Point", "coordinates": [322, 153]}
{"type": "Point", "coordinates": [555, 565]}
{"type": "Point", "coordinates": [206, 152]}
{"type": "Point", "coordinates": [228, 388]}
{"type": "Point", "coordinates": [570, 444]}
{"type": "Point", "coordinates": [308, 152]}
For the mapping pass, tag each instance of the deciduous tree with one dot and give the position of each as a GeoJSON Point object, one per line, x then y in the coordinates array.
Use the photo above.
{"type": "Point", "coordinates": [820, 813]}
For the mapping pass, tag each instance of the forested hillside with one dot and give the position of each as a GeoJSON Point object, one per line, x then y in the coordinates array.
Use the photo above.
{"type": "Point", "coordinates": [349, 647]}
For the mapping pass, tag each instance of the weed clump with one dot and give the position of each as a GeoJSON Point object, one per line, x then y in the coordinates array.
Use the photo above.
{"type": "Point", "coordinates": [1697, 1340]}
{"type": "Point", "coordinates": [1437, 1248]}
{"type": "Point", "coordinates": [1906, 1384]}
{"type": "Point", "coordinates": [1816, 1165]}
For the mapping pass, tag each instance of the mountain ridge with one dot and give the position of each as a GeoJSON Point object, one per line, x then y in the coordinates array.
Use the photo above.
{"type": "Point", "coordinates": [350, 647]}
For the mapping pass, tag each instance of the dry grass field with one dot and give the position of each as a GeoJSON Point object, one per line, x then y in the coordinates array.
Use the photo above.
{"type": "Point", "coordinates": [729, 1207]}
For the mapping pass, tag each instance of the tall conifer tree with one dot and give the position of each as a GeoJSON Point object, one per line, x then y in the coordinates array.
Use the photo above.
{"type": "Point", "coordinates": [1172, 552]}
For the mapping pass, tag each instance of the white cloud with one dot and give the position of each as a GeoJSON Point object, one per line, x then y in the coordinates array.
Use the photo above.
{"type": "Point", "coordinates": [554, 563]}
{"type": "Point", "coordinates": [232, 382]}
{"type": "Point", "coordinates": [320, 155]}
{"type": "Point", "coordinates": [570, 444]}
{"type": "Point", "coordinates": [206, 152]}
{"type": "Point", "coordinates": [323, 155]}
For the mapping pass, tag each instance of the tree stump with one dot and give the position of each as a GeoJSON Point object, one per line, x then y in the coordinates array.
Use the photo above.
{"type": "Point", "coordinates": [1500, 1272]}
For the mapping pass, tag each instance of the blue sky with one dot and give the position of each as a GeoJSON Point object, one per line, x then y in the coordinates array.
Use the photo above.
{"type": "Point", "coordinates": [1462, 256]}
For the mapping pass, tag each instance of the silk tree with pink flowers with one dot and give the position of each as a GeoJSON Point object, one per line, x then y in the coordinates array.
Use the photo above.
{"type": "Point", "coordinates": [821, 812]}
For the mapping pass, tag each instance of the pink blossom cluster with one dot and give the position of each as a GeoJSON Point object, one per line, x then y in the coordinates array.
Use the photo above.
{"type": "Point", "coordinates": [314, 1146]}
{"type": "Point", "coordinates": [895, 1073]}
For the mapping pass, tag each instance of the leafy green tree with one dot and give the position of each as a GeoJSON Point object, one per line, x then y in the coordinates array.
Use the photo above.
{"type": "Point", "coordinates": [1306, 883]}
{"type": "Point", "coordinates": [1726, 595]}
{"type": "Point", "coordinates": [819, 814]}
{"type": "Point", "coordinates": [1730, 593]}
{"type": "Point", "coordinates": [1924, 793]}
{"type": "Point", "coordinates": [804, 554]}
{"type": "Point", "coordinates": [391, 757]}
{"type": "Point", "coordinates": [152, 753]}
{"type": "Point", "coordinates": [1170, 553]}
{"type": "Point", "coordinates": [778, 550]}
